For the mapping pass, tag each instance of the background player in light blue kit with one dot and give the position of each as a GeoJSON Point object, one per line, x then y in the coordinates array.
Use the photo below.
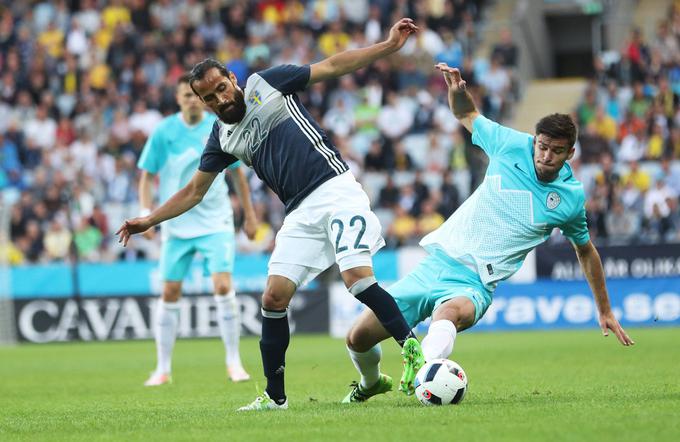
{"type": "Point", "coordinates": [173, 152]}
{"type": "Point", "coordinates": [528, 191]}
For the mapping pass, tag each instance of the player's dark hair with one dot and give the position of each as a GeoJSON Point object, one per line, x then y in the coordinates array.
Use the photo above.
{"type": "Point", "coordinates": [557, 126]}
{"type": "Point", "coordinates": [185, 78]}
{"type": "Point", "coordinates": [200, 69]}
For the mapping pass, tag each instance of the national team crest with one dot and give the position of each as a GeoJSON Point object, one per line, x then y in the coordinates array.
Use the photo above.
{"type": "Point", "coordinates": [553, 200]}
{"type": "Point", "coordinates": [255, 97]}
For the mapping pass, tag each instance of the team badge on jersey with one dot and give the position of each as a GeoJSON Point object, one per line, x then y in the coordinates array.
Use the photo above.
{"type": "Point", "coordinates": [553, 200]}
{"type": "Point", "coordinates": [255, 97]}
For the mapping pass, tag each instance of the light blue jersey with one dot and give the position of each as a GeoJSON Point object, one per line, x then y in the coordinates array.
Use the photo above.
{"type": "Point", "coordinates": [173, 151]}
{"type": "Point", "coordinates": [511, 212]}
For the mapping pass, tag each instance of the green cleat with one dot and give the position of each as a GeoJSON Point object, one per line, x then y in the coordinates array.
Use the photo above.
{"type": "Point", "coordinates": [361, 394]}
{"type": "Point", "coordinates": [413, 360]}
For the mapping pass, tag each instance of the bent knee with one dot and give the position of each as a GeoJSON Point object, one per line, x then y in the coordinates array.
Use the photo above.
{"type": "Point", "coordinates": [272, 300]}
{"type": "Point", "coordinates": [172, 291]}
{"type": "Point", "coordinates": [460, 311]}
{"type": "Point", "coordinates": [356, 274]}
{"type": "Point", "coordinates": [222, 288]}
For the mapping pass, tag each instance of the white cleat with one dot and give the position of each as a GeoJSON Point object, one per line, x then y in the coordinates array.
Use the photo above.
{"type": "Point", "coordinates": [264, 403]}
{"type": "Point", "coordinates": [237, 374]}
{"type": "Point", "coordinates": [157, 379]}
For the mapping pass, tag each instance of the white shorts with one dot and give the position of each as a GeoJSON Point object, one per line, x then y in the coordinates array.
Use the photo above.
{"type": "Point", "coordinates": [332, 224]}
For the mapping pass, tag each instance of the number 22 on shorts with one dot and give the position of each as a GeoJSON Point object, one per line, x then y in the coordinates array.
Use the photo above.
{"type": "Point", "coordinates": [341, 230]}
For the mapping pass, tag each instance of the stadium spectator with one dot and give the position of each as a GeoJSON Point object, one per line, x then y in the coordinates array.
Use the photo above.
{"type": "Point", "coordinates": [623, 225]}
{"type": "Point", "coordinates": [377, 157]}
{"type": "Point", "coordinates": [395, 117]}
{"type": "Point", "coordinates": [429, 219]}
{"type": "Point", "coordinates": [401, 159]}
{"type": "Point", "coordinates": [496, 81]}
{"type": "Point", "coordinates": [506, 49]}
{"type": "Point", "coordinates": [671, 176]}
{"type": "Point", "coordinates": [659, 203]}
{"type": "Point", "coordinates": [88, 239]}
{"type": "Point", "coordinates": [10, 167]}
{"type": "Point", "coordinates": [31, 244]}
{"type": "Point", "coordinates": [633, 146]}
{"type": "Point", "coordinates": [604, 125]}
{"type": "Point", "coordinates": [403, 229]}
{"type": "Point", "coordinates": [57, 239]}
{"type": "Point", "coordinates": [637, 177]}
{"type": "Point", "coordinates": [449, 196]}
{"type": "Point", "coordinates": [389, 194]}
{"type": "Point", "coordinates": [437, 154]}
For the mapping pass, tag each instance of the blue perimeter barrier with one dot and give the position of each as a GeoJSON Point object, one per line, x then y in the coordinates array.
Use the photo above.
{"type": "Point", "coordinates": [143, 278]}
{"type": "Point", "coordinates": [539, 305]}
{"type": "Point", "coordinates": [556, 304]}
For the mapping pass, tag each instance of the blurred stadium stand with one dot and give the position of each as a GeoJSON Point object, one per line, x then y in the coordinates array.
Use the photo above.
{"type": "Point", "coordinates": [83, 83]}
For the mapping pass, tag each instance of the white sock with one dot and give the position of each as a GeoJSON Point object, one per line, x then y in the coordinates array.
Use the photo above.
{"type": "Point", "coordinates": [167, 318]}
{"type": "Point", "coordinates": [229, 321]}
{"type": "Point", "coordinates": [438, 344]}
{"type": "Point", "coordinates": [368, 364]}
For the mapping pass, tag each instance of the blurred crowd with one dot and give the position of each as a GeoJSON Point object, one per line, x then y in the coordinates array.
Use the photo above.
{"type": "Point", "coordinates": [629, 140]}
{"type": "Point", "coordinates": [84, 82]}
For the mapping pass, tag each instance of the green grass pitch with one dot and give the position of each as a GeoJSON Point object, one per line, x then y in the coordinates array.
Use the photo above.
{"type": "Point", "coordinates": [566, 385]}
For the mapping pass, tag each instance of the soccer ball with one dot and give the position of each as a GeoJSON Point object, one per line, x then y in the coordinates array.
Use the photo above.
{"type": "Point", "coordinates": [440, 382]}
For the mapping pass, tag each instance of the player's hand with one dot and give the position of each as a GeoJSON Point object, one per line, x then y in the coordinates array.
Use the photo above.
{"type": "Point", "coordinates": [250, 227]}
{"type": "Point", "coordinates": [132, 226]}
{"type": "Point", "coordinates": [609, 322]}
{"type": "Point", "coordinates": [401, 31]}
{"type": "Point", "coordinates": [452, 77]}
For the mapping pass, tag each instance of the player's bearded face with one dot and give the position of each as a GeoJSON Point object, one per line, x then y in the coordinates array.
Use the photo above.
{"type": "Point", "coordinates": [234, 110]}
{"type": "Point", "coordinates": [222, 95]}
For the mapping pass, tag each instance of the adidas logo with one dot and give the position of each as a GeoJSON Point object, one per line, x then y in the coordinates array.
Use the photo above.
{"type": "Point", "coordinates": [229, 132]}
{"type": "Point", "coordinates": [280, 370]}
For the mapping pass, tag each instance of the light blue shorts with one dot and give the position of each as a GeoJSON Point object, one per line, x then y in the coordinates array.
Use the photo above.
{"type": "Point", "coordinates": [435, 280]}
{"type": "Point", "coordinates": [217, 250]}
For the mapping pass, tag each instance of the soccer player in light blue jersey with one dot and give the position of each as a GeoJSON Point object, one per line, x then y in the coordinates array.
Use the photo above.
{"type": "Point", "coordinates": [172, 153]}
{"type": "Point", "coordinates": [529, 190]}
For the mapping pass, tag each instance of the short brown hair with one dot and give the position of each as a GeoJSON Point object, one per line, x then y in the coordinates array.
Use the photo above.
{"type": "Point", "coordinates": [557, 126]}
{"type": "Point", "coordinates": [184, 78]}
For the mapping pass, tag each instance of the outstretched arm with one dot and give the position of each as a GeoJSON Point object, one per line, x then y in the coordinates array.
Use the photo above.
{"type": "Point", "coordinates": [146, 197]}
{"type": "Point", "coordinates": [460, 100]}
{"type": "Point", "coordinates": [592, 269]}
{"type": "Point", "coordinates": [354, 59]}
{"type": "Point", "coordinates": [243, 192]}
{"type": "Point", "coordinates": [183, 200]}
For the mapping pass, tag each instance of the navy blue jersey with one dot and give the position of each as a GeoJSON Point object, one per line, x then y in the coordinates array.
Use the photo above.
{"type": "Point", "coordinates": [277, 137]}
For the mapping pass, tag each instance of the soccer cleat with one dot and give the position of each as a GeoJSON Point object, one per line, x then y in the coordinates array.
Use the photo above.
{"type": "Point", "coordinates": [264, 403]}
{"type": "Point", "coordinates": [413, 360]}
{"type": "Point", "coordinates": [237, 374]}
{"type": "Point", "coordinates": [361, 394]}
{"type": "Point", "coordinates": [157, 379]}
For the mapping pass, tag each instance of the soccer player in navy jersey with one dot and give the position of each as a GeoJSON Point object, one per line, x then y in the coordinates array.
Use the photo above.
{"type": "Point", "coordinates": [328, 216]}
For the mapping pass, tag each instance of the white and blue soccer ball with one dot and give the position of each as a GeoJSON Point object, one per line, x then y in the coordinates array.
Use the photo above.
{"type": "Point", "coordinates": [441, 382]}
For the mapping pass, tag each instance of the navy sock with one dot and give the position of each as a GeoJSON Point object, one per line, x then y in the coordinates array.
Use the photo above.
{"type": "Point", "coordinates": [273, 345]}
{"type": "Point", "coordinates": [387, 311]}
